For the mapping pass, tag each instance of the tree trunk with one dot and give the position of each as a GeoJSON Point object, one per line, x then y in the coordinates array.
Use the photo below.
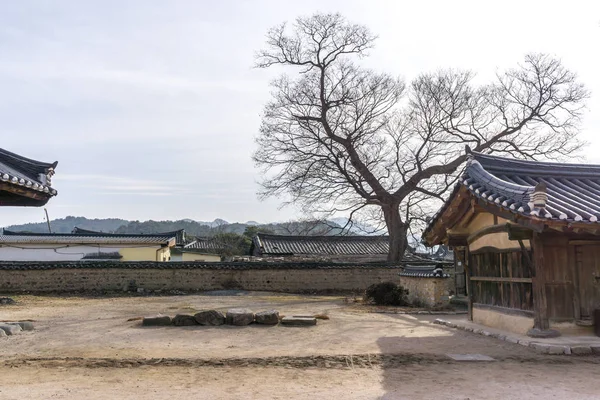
{"type": "Point", "coordinates": [397, 230]}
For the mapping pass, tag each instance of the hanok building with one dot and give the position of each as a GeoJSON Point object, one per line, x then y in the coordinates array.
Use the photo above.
{"type": "Point", "coordinates": [27, 246]}
{"type": "Point", "coordinates": [201, 249]}
{"type": "Point", "coordinates": [529, 236]}
{"type": "Point", "coordinates": [25, 182]}
{"type": "Point", "coordinates": [332, 248]}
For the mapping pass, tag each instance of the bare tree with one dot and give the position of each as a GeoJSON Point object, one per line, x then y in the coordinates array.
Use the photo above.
{"type": "Point", "coordinates": [339, 137]}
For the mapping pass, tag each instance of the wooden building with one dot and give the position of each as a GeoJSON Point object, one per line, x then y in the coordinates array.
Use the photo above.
{"type": "Point", "coordinates": [27, 246]}
{"type": "Point", "coordinates": [332, 248]}
{"type": "Point", "coordinates": [25, 182]}
{"type": "Point", "coordinates": [529, 237]}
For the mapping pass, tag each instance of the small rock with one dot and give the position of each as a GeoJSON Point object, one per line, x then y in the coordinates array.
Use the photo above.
{"type": "Point", "coordinates": [298, 321]}
{"type": "Point", "coordinates": [512, 339]}
{"type": "Point", "coordinates": [184, 320]}
{"type": "Point", "coordinates": [210, 318]}
{"type": "Point", "coordinates": [239, 316]}
{"type": "Point", "coordinates": [270, 317]}
{"type": "Point", "coordinates": [25, 325]}
{"type": "Point", "coordinates": [10, 329]}
{"type": "Point", "coordinates": [159, 320]}
{"type": "Point", "coordinates": [581, 350]}
{"type": "Point", "coordinates": [2, 333]}
{"type": "Point", "coordinates": [6, 301]}
{"type": "Point", "coordinates": [140, 290]}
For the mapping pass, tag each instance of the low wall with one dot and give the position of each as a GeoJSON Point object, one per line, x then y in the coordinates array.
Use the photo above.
{"type": "Point", "coordinates": [191, 276]}
{"type": "Point", "coordinates": [498, 319]}
{"type": "Point", "coordinates": [427, 291]}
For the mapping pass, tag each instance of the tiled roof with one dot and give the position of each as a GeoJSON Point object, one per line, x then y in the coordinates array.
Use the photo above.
{"type": "Point", "coordinates": [10, 237]}
{"type": "Point", "coordinates": [571, 192]}
{"type": "Point", "coordinates": [30, 174]}
{"type": "Point", "coordinates": [179, 235]}
{"type": "Point", "coordinates": [321, 245]}
{"type": "Point", "coordinates": [207, 245]}
{"type": "Point", "coordinates": [424, 271]}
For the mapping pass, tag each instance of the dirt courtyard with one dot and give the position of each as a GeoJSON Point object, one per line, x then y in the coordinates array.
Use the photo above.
{"type": "Point", "coordinates": [87, 348]}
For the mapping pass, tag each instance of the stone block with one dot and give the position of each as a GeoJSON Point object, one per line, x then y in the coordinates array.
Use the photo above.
{"type": "Point", "coordinates": [184, 320]}
{"type": "Point", "coordinates": [210, 318]}
{"type": "Point", "coordinates": [512, 339]}
{"type": "Point", "coordinates": [159, 320]}
{"type": "Point", "coordinates": [25, 325]}
{"type": "Point", "coordinates": [549, 348]}
{"type": "Point", "coordinates": [581, 350]}
{"type": "Point", "coordinates": [239, 316]}
{"type": "Point", "coordinates": [559, 350]}
{"type": "Point", "coordinates": [595, 349]}
{"type": "Point", "coordinates": [270, 317]}
{"type": "Point", "coordinates": [2, 333]}
{"type": "Point", "coordinates": [298, 321]}
{"type": "Point", "coordinates": [10, 329]}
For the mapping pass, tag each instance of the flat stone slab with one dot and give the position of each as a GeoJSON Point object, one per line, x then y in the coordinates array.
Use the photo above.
{"type": "Point", "coordinates": [581, 350]}
{"type": "Point", "coordinates": [184, 320]}
{"type": "Point", "coordinates": [550, 348]}
{"type": "Point", "coordinates": [470, 357]}
{"type": "Point", "coordinates": [10, 329]}
{"type": "Point", "coordinates": [299, 321]}
{"type": "Point", "coordinates": [159, 320]}
{"type": "Point", "coordinates": [595, 349]}
{"type": "Point", "coordinates": [270, 317]}
{"type": "Point", "coordinates": [210, 318]}
{"type": "Point", "coordinates": [239, 316]}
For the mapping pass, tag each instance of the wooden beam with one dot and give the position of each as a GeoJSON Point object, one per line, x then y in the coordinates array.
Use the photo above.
{"type": "Point", "coordinates": [516, 232]}
{"type": "Point", "coordinates": [487, 231]}
{"type": "Point", "coordinates": [457, 240]}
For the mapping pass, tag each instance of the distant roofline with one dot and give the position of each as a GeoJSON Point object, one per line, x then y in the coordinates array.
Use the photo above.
{"type": "Point", "coordinates": [262, 236]}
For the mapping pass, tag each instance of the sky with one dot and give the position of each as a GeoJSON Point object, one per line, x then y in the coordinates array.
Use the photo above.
{"type": "Point", "coordinates": [151, 107]}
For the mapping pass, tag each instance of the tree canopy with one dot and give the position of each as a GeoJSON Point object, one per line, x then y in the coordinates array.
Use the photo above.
{"type": "Point", "coordinates": [338, 137]}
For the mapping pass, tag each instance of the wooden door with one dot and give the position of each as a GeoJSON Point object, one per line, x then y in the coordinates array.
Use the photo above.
{"type": "Point", "coordinates": [588, 268]}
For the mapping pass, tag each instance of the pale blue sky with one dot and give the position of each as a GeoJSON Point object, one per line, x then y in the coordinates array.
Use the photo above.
{"type": "Point", "coordinates": [151, 107]}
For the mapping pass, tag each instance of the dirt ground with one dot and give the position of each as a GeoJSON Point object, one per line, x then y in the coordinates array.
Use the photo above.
{"type": "Point", "coordinates": [87, 348]}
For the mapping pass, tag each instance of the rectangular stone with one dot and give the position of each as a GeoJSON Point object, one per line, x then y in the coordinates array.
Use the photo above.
{"type": "Point", "coordinates": [581, 350]}
{"type": "Point", "coordinates": [470, 357]}
{"type": "Point", "coordinates": [298, 321]}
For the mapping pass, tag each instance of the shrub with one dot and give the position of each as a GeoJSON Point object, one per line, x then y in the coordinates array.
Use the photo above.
{"type": "Point", "coordinates": [386, 294]}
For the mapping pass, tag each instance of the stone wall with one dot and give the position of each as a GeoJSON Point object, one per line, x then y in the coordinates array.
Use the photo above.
{"type": "Point", "coordinates": [192, 276]}
{"type": "Point", "coordinates": [429, 292]}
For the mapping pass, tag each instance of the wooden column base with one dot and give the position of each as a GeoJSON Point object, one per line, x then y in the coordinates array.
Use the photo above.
{"type": "Point", "coordinates": [545, 333]}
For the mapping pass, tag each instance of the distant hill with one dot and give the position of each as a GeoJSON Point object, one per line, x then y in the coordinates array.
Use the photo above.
{"type": "Point", "coordinates": [193, 228]}
{"type": "Point", "coordinates": [66, 225]}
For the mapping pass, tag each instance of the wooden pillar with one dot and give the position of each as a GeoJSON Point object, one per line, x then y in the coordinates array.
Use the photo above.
{"type": "Point", "coordinates": [541, 324]}
{"type": "Point", "coordinates": [468, 286]}
{"type": "Point", "coordinates": [540, 306]}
